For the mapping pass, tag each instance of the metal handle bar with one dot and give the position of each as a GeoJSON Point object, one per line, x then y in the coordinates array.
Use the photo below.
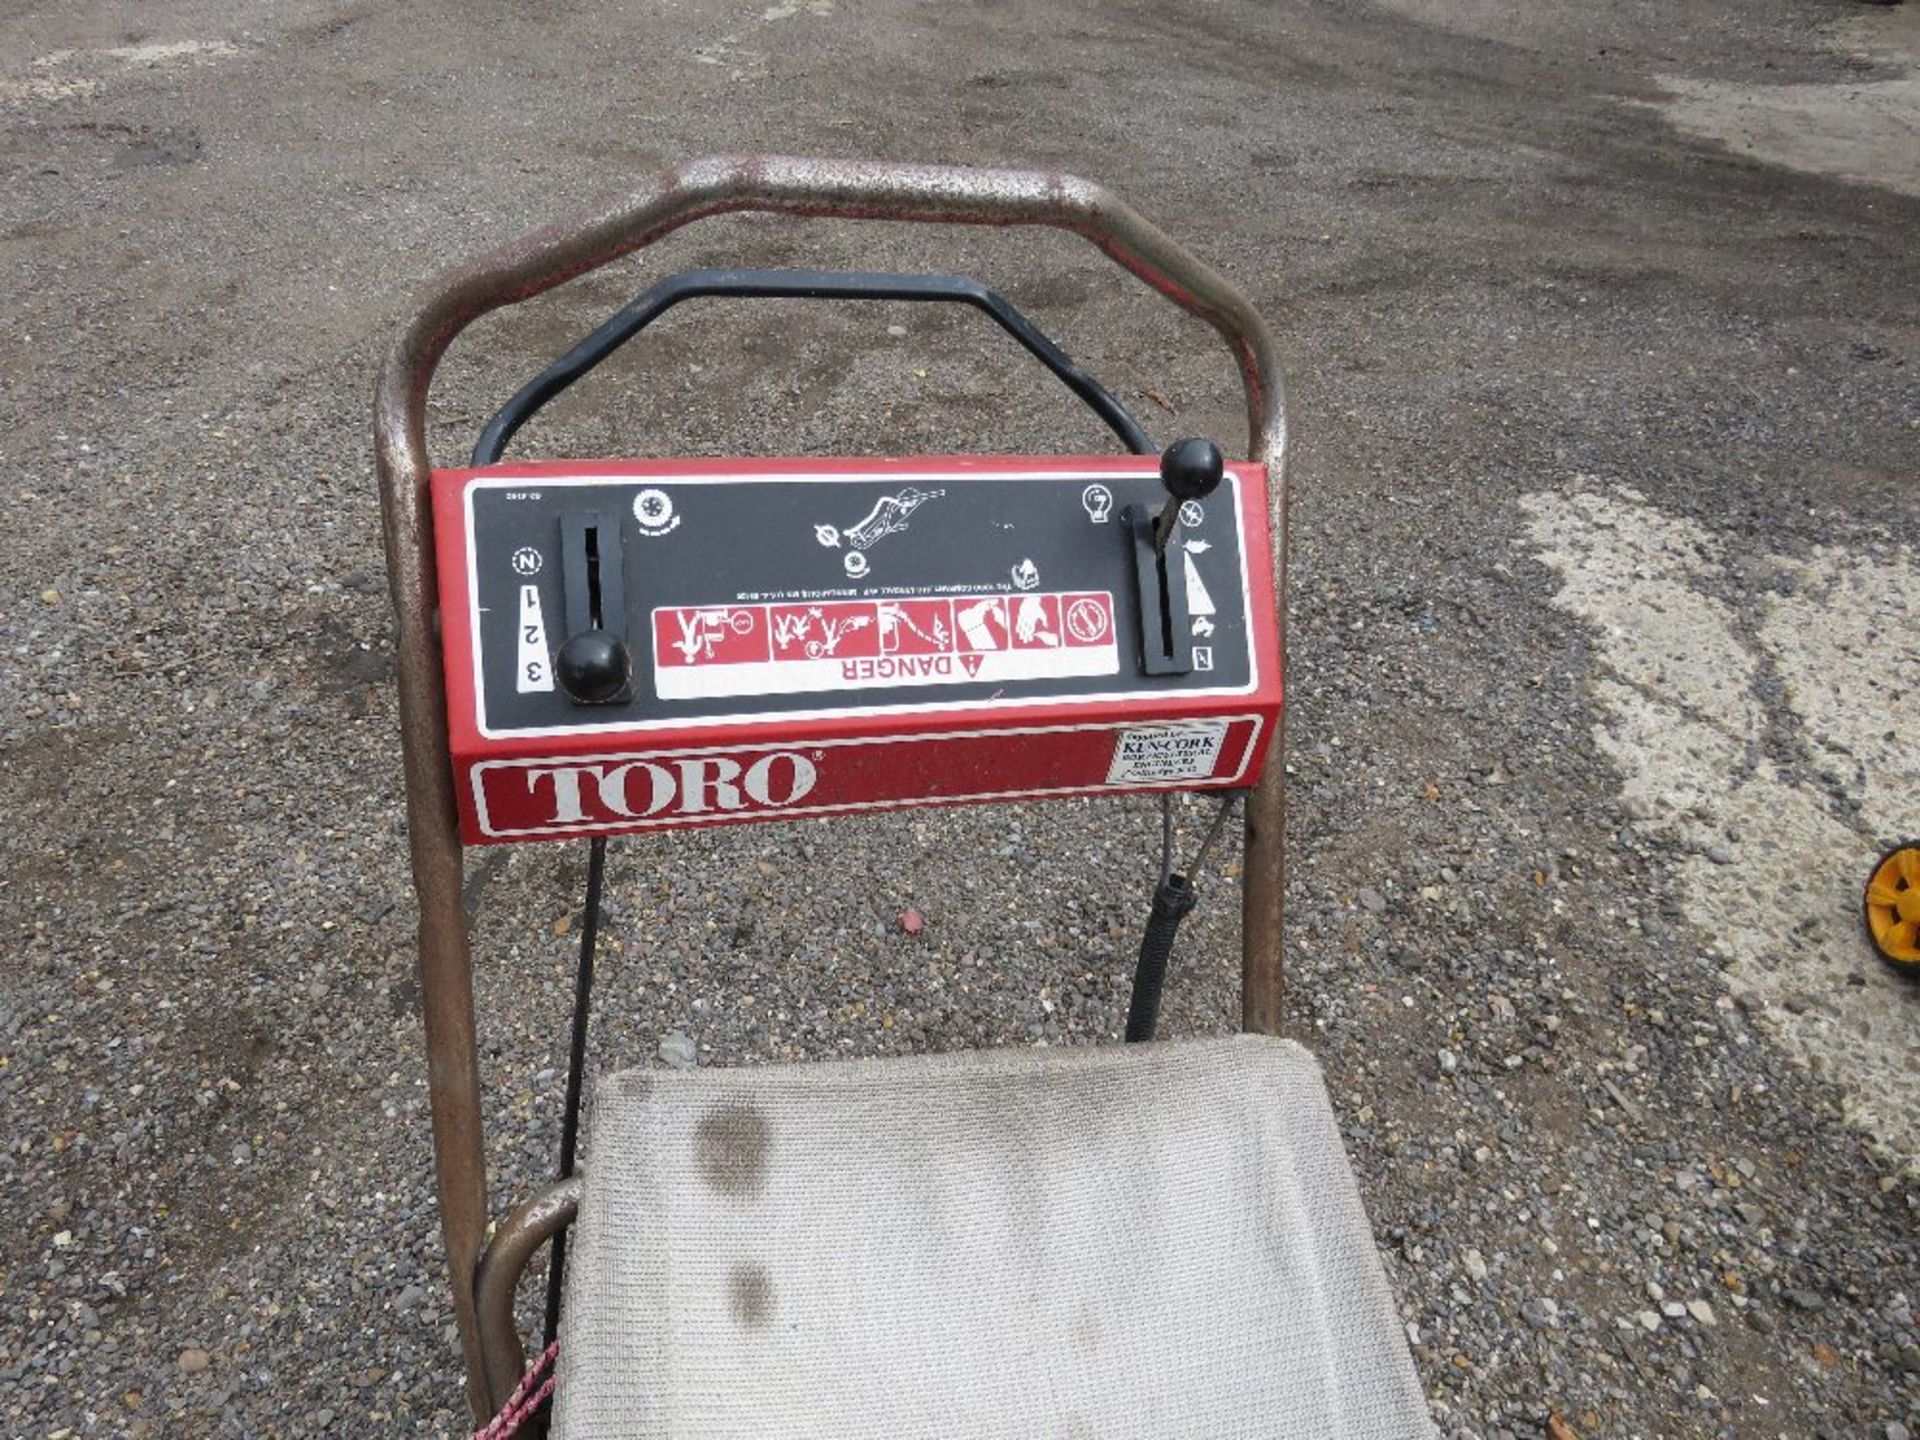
{"type": "Point", "coordinates": [548, 257]}
{"type": "Point", "coordinates": [539, 1220]}
{"type": "Point", "coordinates": [633, 317]}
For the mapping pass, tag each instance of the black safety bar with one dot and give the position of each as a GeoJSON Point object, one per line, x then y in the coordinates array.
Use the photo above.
{"type": "Point", "coordinates": [644, 309]}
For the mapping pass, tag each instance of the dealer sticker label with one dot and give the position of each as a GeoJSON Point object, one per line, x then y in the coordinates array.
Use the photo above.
{"type": "Point", "coordinates": [1167, 752]}
{"type": "Point", "coordinates": [713, 651]}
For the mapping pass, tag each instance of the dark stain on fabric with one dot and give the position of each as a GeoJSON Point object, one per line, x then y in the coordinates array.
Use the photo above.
{"type": "Point", "coordinates": [752, 1295]}
{"type": "Point", "coordinates": [730, 1147]}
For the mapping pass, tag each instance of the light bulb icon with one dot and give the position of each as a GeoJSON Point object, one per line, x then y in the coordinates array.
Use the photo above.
{"type": "Point", "coordinates": [1097, 501]}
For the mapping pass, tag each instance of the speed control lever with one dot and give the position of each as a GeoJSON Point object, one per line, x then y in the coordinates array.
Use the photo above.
{"type": "Point", "coordinates": [594, 665]}
{"type": "Point", "coordinates": [1189, 470]}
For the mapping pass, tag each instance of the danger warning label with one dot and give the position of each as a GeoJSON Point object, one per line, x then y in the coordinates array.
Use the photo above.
{"type": "Point", "coordinates": [710, 651]}
{"type": "Point", "coordinates": [1170, 752]}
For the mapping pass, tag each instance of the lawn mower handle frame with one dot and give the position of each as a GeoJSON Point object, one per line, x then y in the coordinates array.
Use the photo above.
{"type": "Point", "coordinates": [538, 262]}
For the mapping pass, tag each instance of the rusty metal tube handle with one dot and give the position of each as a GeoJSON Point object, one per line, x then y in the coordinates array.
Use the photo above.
{"type": "Point", "coordinates": [549, 257]}
{"type": "Point", "coordinates": [517, 1240]}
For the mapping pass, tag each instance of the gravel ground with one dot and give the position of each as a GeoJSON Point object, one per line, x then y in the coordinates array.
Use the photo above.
{"type": "Point", "coordinates": [1605, 1189]}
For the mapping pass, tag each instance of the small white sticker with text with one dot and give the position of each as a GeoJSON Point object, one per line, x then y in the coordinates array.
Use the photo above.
{"type": "Point", "coordinates": [1167, 752]}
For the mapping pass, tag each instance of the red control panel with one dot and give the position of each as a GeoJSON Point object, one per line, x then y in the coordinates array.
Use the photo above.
{"type": "Point", "coordinates": [632, 645]}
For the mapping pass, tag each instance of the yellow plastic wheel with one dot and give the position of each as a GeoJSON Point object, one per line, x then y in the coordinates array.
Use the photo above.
{"type": "Point", "coordinates": [1893, 908]}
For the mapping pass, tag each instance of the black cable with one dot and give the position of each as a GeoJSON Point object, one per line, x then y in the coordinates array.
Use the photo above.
{"type": "Point", "coordinates": [576, 1066]}
{"type": "Point", "coordinates": [1166, 835]}
{"type": "Point", "coordinates": [1213, 833]}
{"type": "Point", "coordinates": [1173, 900]}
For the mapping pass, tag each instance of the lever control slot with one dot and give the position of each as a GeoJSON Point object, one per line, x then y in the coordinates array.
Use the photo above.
{"type": "Point", "coordinates": [594, 664]}
{"type": "Point", "coordinates": [591, 569]}
{"type": "Point", "coordinates": [1166, 647]}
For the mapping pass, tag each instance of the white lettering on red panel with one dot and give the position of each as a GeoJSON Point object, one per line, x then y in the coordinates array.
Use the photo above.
{"type": "Point", "coordinates": [604, 794]}
{"type": "Point", "coordinates": [712, 651]}
{"type": "Point", "coordinates": [694, 785]}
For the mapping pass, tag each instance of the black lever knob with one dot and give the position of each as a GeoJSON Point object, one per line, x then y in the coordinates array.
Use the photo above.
{"type": "Point", "coordinates": [1192, 469]}
{"type": "Point", "coordinates": [593, 667]}
{"type": "Point", "coordinates": [1189, 470]}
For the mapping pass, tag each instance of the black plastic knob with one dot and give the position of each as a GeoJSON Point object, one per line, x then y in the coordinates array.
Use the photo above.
{"type": "Point", "coordinates": [1192, 469]}
{"type": "Point", "coordinates": [593, 667]}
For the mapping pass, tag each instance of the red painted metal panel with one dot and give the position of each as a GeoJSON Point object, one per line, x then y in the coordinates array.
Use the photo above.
{"type": "Point", "coordinates": [860, 756]}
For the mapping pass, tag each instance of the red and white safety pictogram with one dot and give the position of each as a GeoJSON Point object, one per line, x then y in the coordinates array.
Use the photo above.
{"type": "Point", "coordinates": [709, 651]}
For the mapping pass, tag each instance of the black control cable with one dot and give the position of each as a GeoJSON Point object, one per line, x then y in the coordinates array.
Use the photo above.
{"type": "Point", "coordinates": [1174, 897]}
{"type": "Point", "coordinates": [576, 1068]}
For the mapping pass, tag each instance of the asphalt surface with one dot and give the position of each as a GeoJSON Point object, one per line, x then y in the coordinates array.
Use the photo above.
{"type": "Point", "coordinates": [1548, 352]}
